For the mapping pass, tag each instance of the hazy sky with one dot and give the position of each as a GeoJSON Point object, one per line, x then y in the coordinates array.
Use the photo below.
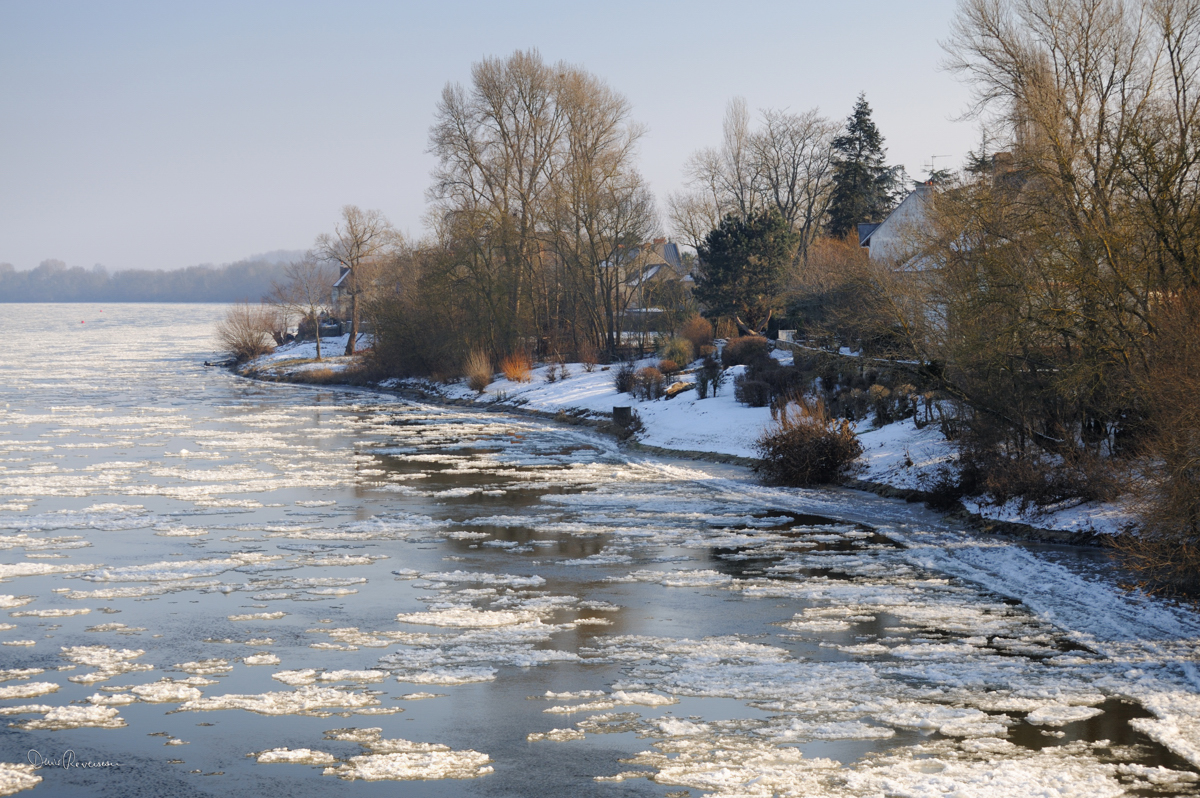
{"type": "Point", "coordinates": [165, 134]}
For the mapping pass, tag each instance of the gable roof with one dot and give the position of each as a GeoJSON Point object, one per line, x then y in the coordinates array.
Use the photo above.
{"type": "Point", "coordinates": [889, 238]}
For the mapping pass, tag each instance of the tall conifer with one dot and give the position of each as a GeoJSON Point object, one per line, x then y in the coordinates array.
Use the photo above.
{"type": "Point", "coordinates": [863, 185]}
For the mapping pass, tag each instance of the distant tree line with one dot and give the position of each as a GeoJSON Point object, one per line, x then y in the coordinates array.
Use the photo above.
{"type": "Point", "coordinates": [54, 281]}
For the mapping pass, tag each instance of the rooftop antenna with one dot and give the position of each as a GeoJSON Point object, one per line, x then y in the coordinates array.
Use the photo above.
{"type": "Point", "coordinates": [933, 163]}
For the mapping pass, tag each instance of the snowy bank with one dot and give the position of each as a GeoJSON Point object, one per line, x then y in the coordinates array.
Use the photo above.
{"type": "Point", "coordinates": [897, 455]}
{"type": "Point", "coordinates": [296, 358]}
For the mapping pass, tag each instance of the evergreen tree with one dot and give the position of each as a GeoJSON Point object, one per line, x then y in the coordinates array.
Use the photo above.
{"type": "Point", "coordinates": [864, 187]}
{"type": "Point", "coordinates": [742, 263]}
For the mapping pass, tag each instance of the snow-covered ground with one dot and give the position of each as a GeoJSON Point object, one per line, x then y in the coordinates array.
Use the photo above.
{"type": "Point", "coordinates": [898, 455]}
{"type": "Point", "coordinates": [298, 357]}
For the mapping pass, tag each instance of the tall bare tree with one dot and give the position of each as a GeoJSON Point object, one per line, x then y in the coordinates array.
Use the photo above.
{"type": "Point", "coordinates": [359, 242]}
{"type": "Point", "coordinates": [535, 193]}
{"type": "Point", "coordinates": [784, 166]}
{"type": "Point", "coordinates": [602, 209]}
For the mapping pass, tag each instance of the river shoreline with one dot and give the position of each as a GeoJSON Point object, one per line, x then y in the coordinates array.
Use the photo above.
{"type": "Point", "coordinates": [426, 392]}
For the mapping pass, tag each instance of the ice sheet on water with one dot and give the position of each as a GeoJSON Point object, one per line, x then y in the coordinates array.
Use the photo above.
{"type": "Point", "coordinates": [406, 766]}
{"type": "Point", "coordinates": [258, 616]}
{"type": "Point", "coordinates": [17, 777]}
{"type": "Point", "coordinates": [13, 570]}
{"type": "Point", "coordinates": [173, 571]}
{"type": "Point", "coordinates": [55, 613]}
{"type": "Point", "coordinates": [556, 735]}
{"type": "Point", "coordinates": [30, 544]}
{"type": "Point", "coordinates": [263, 658]}
{"type": "Point", "coordinates": [296, 756]}
{"type": "Point", "coordinates": [165, 691]}
{"type": "Point", "coordinates": [306, 699]}
{"type": "Point", "coordinates": [206, 667]}
{"type": "Point", "coordinates": [1057, 715]}
{"type": "Point", "coordinates": [75, 717]}
{"type": "Point", "coordinates": [28, 690]}
{"type": "Point", "coordinates": [469, 617]}
{"type": "Point", "coordinates": [108, 662]}
{"type": "Point", "coordinates": [104, 517]}
{"type": "Point", "coordinates": [507, 580]}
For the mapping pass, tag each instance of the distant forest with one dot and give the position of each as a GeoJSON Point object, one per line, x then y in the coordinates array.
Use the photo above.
{"type": "Point", "coordinates": [54, 281]}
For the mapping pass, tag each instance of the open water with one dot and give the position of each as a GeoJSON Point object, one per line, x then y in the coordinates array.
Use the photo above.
{"type": "Point", "coordinates": [212, 586]}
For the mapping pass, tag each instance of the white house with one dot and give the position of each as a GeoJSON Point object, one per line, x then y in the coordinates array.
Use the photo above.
{"type": "Point", "coordinates": [892, 239]}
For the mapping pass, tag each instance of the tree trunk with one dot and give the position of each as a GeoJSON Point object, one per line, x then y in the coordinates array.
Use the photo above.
{"type": "Point", "coordinates": [353, 315]}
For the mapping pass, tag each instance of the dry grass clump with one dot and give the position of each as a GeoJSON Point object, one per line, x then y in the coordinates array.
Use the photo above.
{"type": "Point", "coordinates": [805, 446]}
{"type": "Point", "coordinates": [517, 367]}
{"type": "Point", "coordinates": [478, 370]}
{"type": "Point", "coordinates": [246, 331]}
{"type": "Point", "coordinates": [677, 349]}
{"type": "Point", "coordinates": [699, 331]}
{"type": "Point", "coordinates": [321, 376]}
{"type": "Point", "coordinates": [587, 354]}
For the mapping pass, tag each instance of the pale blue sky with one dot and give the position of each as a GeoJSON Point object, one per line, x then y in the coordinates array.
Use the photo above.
{"type": "Point", "coordinates": [165, 134]}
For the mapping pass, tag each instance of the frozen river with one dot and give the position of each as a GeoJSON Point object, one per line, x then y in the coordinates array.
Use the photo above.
{"type": "Point", "coordinates": [219, 587]}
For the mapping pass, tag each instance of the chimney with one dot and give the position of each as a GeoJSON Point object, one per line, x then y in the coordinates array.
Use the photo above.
{"type": "Point", "coordinates": [658, 241]}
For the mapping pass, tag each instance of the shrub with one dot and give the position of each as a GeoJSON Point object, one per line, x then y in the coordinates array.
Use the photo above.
{"type": "Point", "coordinates": [754, 393]}
{"type": "Point", "coordinates": [587, 355]}
{"type": "Point", "coordinates": [478, 370]}
{"type": "Point", "coordinates": [805, 446]}
{"type": "Point", "coordinates": [678, 350]}
{"type": "Point", "coordinates": [668, 366]}
{"type": "Point", "coordinates": [517, 368]}
{"type": "Point", "coordinates": [881, 403]}
{"type": "Point", "coordinates": [745, 351]}
{"type": "Point", "coordinates": [648, 383]}
{"type": "Point", "coordinates": [699, 331]}
{"type": "Point", "coordinates": [623, 378]}
{"type": "Point", "coordinates": [709, 376]}
{"type": "Point", "coordinates": [246, 331]}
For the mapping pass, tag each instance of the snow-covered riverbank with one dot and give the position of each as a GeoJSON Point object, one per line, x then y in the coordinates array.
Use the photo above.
{"type": "Point", "coordinates": [898, 455]}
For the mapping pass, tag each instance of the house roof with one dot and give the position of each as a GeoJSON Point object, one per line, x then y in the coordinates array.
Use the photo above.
{"type": "Point", "coordinates": [891, 237]}
{"type": "Point", "coordinates": [865, 229]}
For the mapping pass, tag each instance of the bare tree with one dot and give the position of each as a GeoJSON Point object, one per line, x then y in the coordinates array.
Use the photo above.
{"type": "Point", "coordinates": [360, 242]}
{"type": "Point", "coordinates": [601, 209]}
{"type": "Point", "coordinates": [536, 200]}
{"type": "Point", "coordinates": [786, 166]}
{"type": "Point", "coordinates": [305, 292]}
{"type": "Point", "coordinates": [497, 145]}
